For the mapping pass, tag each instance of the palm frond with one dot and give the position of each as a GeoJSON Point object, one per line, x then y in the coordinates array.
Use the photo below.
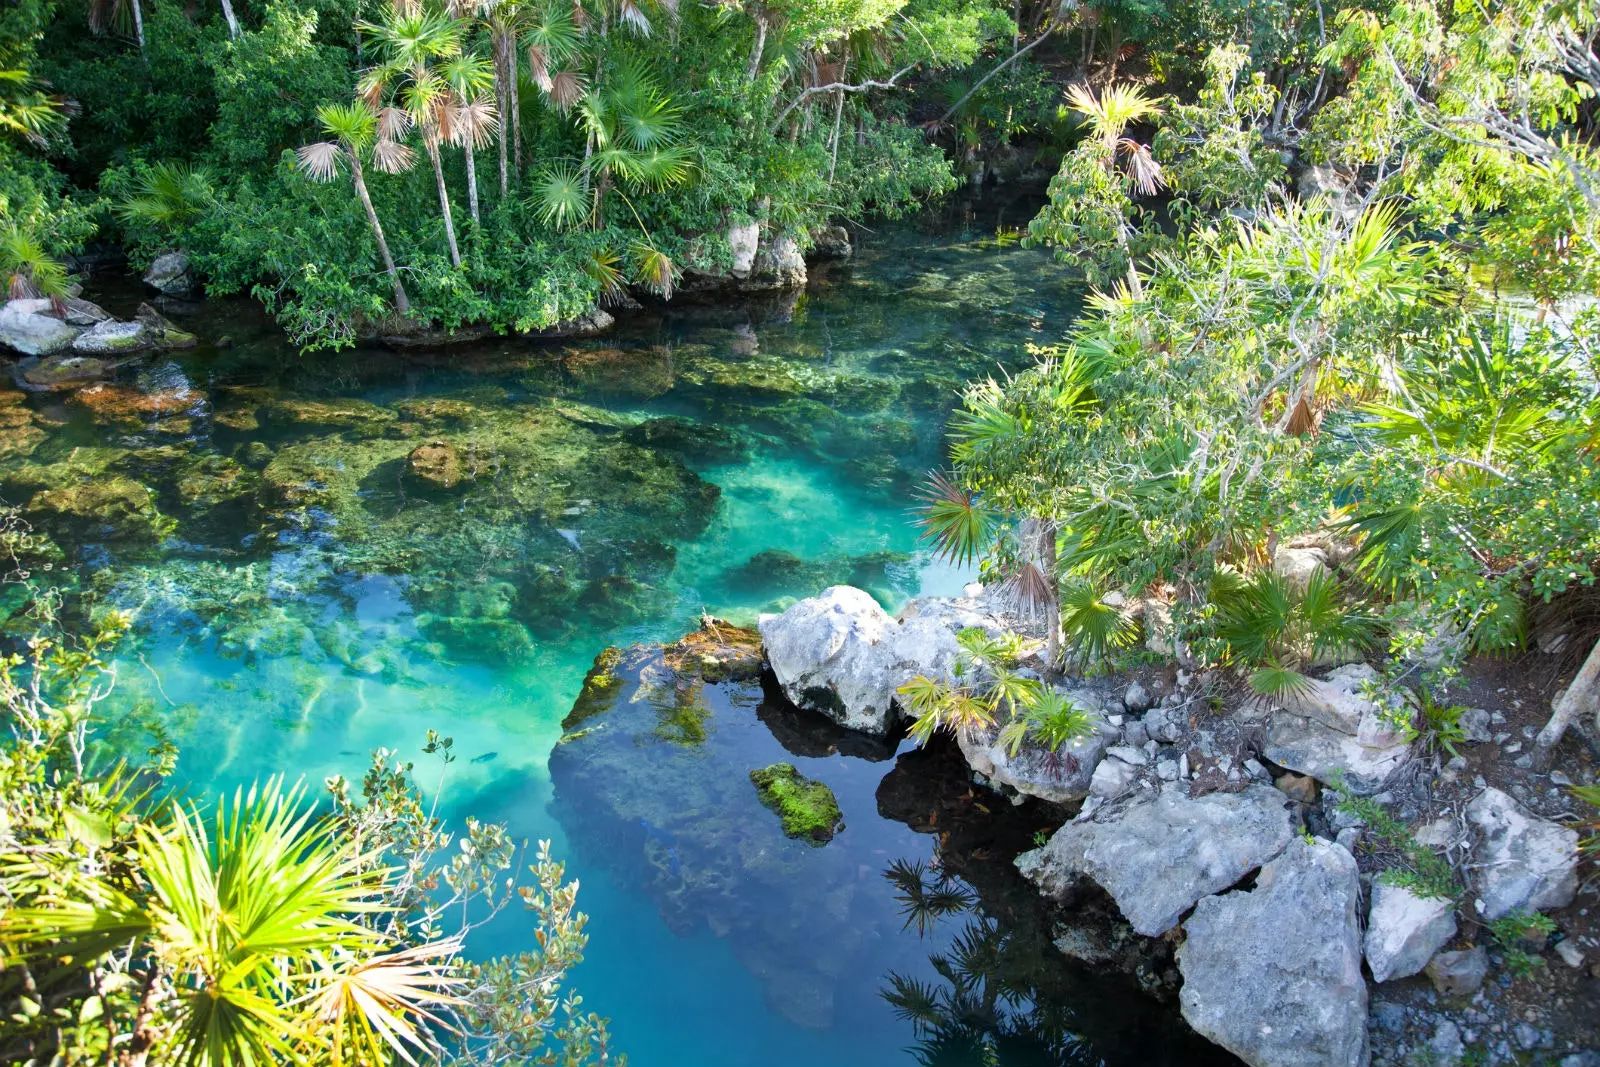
{"type": "Point", "coordinates": [561, 196]}
{"type": "Point", "coordinates": [952, 518]}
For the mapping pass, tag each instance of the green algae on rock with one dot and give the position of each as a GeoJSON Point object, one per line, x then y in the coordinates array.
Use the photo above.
{"type": "Point", "coordinates": [808, 808]}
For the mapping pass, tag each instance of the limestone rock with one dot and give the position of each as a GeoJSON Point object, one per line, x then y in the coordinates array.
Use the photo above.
{"type": "Point", "coordinates": [1405, 930]}
{"type": "Point", "coordinates": [160, 332]}
{"type": "Point", "coordinates": [32, 327]}
{"type": "Point", "coordinates": [778, 265]}
{"type": "Point", "coordinates": [82, 312]}
{"type": "Point", "coordinates": [830, 242]}
{"type": "Point", "coordinates": [1160, 854]}
{"type": "Point", "coordinates": [743, 240]}
{"type": "Point", "coordinates": [1061, 777]}
{"type": "Point", "coordinates": [1332, 729]}
{"type": "Point", "coordinates": [591, 323]}
{"type": "Point", "coordinates": [1336, 700]}
{"type": "Point", "coordinates": [1298, 564]}
{"type": "Point", "coordinates": [841, 654]}
{"type": "Point", "coordinates": [1459, 974]}
{"type": "Point", "coordinates": [1112, 778]}
{"type": "Point", "coordinates": [1274, 975]}
{"type": "Point", "coordinates": [436, 465]}
{"type": "Point", "coordinates": [111, 338]}
{"type": "Point", "coordinates": [170, 274]}
{"type": "Point", "coordinates": [1525, 863]}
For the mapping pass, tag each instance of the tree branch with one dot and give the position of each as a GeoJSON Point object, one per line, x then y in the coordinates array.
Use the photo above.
{"type": "Point", "coordinates": [841, 87]}
{"type": "Point", "coordinates": [1018, 54]}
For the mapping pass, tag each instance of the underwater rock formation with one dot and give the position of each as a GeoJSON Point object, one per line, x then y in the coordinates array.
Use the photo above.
{"type": "Point", "coordinates": [808, 809]}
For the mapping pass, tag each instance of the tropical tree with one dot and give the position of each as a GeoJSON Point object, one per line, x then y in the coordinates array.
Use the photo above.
{"type": "Point", "coordinates": [26, 111]}
{"type": "Point", "coordinates": [29, 270]}
{"type": "Point", "coordinates": [475, 120]}
{"type": "Point", "coordinates": [356, 131]}
{"type": "Point", "coordinates": [1091, 198]}
{"type": "Point", "coordinates": [414, 45]}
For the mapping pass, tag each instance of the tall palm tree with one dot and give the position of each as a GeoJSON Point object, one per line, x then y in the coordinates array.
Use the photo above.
{"type": "Point", "coordinates": [118, 14]}
{"type": "Point", "coordinates": [413, 46]}
{"type": "Point", "coordinates": [248, 940]}
{"type": "Point", "coordinates": [356, 130]}
{"type": "Point", "coordinates": [552, 32]}
{"type": "Point", "coordinates": [470, 77]}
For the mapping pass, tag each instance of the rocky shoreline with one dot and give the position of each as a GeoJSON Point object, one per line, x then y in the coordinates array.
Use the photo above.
{"type": "Point", "coordinates": [1249, 859]}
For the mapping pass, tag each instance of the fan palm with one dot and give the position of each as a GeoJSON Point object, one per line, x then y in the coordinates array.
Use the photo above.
{"type": "Point", "coordinates": [25, 111]}
{"type": "Point", "coordinates": [476, 119]}
{"type": "Point", "coordinates": [1109, 116]}
{"type": "Point", "coordinates": [169, 196]}
{"type": "Point", "coordinates": [414, 46]}
{"type": "Point", "coordinates": [354, 132]}
{"type": "Point", "coordinates": [631, 130]}
{"type": "Point", "coordinates": [29, 270]}
{"type": "Point", "coordinates": [250, 940]}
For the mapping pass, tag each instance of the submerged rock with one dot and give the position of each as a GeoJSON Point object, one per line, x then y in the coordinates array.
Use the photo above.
{"type": "Point", "coordinates": [1160, 854]}
{"type": "Point", "coordinates": [1525, 863]}
{"type": "Point", "coordinates": [1405, 930]}
{"type": "Point", "coordinates": [1274, 974]}
{"type": "Point", "coordinates": [705, 442]}
{"type": "Point", "coordinates": [808, 809]}
{"type": "Point", "coordinates": [841, 654]}
{"type": "Point", "coordinates": [114, 508]}
{"type": "Point", "coordinates": [127, 408]}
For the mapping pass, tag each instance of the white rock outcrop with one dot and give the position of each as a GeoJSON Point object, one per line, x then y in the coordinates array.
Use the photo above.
{"type": "Point", "coordinates": [1405, 930]}
{"type": "Point", "coordinates": [1332, 729]}
{"type": "Point", "coordinates": [1159, 854]}
{"type": "Point", "coordinates": [32, 327]}
{"type": "Point", "coordinates": [841, 654]}
{"type": "Point", "coordinates": [1524, 863]}
{"type": "Point", "coordinates": [1061, 776]}
{"type": "Point", "coordinates": [1274, 974]}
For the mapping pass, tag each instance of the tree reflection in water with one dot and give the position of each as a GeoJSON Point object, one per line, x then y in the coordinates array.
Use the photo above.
{"type": "Point", "coordinates": [985, 1007]}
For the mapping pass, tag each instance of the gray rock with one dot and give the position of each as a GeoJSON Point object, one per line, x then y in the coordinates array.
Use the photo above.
{"type": "Point", "coordinates": [1475, 724]}
{"type": "Point", "coordinates": [170, 274]}
{"type": "Point", "coordinates": [1459, 974]}
{"type": "Point", "coordinates": [830, 242]}
{"type": "Point", "coordinates": [31, 326]}
{"type": "Point", "coordinates": [1274, 975]}
{"type": "Point", "coordinates": [1128, 754]}
{"type": "Point", "coordinates": [1160, 854]}
{"type": "Point", "coordinates": [83, 313]}
{"type": "Point", "coordinates": [1167, 770]}
{"type": "Point", "coordinates": [779, 264]}
{"type": "Point", "coordinates": [1365, 757]}
{"type": "Point", "coordinates": [1112, 778]}
{"type": "Point", "coordinates": [1135, 734]}
{"type": "Point", "coordinates": [1446, 1045]}
{"type": "Point", "coordinates": [841, 654]}
{"type": "Point", "coordinates": [743, 240]}
{"type": "Point", "coordinates": [1061, 777]}
{"type": "Point", "coordinates": [1137, 698]}
{"type": "Point", "coordinates": [1405, 930]}
{"type": "Point", "coordinates": [1525, 863]}
{"type": "Point", "coordinates": [111, 338]}
{"type": "Point", "coordinates": [1297, 565]}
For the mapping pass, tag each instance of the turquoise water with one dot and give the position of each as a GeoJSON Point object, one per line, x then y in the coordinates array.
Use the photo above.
{"type": "Point", "coordinates": [302, 599]}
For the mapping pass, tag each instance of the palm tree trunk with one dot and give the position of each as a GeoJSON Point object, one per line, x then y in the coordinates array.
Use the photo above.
{"type": "Point", "coordinates": [233, 23]}
{"type": "Point", "coordinates": [1582, 695]}
{"type": "Point", "coordinates": [138, 28]}
{"type": "Point", "coordinates": [753, 67]}
{"type": "Point", "coordinates": [472, 182]}
{"type": "Point", "coordinates": [513, 100]}
{"type": "Point", "coordinates": [501, 98]}
{"type": "Point", "coordinates": [432, 144]}
{"type": "Point", "coordinates": [401, 303]}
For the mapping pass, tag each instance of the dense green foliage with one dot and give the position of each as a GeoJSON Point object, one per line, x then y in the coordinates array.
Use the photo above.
{"type": "Point", "coordinates": [1394, 364]}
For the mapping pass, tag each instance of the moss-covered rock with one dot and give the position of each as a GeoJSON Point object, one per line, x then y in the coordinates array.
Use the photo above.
{"type": "Point", "coordinates": [438, 466]}
{"type": "Point", "coordinates": [60, 373]}
{"type": "Point", "coordinates": [20, 432]}
{"type": "Point", "coordinates": [123, 407]}
{"type": "Point", "coordinates": [704, 442]}
{"type": "Point", "coordinates": [496, 641]}
{"type": "Point", "coordinates": [356, 417]}
{"type": "Point", "coordinates": [115, 508]}
{"type": "Point", "coordinates": [808, 808]}
{"type": "Point", "coordinates": [637, 373]}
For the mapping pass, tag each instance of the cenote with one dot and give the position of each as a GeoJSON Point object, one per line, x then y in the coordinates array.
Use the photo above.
{"type": "Point", "coordinates": [301, 599]}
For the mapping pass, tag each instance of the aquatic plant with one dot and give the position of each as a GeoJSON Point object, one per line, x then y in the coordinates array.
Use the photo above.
{"type": "Point", "coordinates": [808, 808]}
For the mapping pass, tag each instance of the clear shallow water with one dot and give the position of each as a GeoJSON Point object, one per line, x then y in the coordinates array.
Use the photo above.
{"type": "Point", "coordinates": [302, 599]}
